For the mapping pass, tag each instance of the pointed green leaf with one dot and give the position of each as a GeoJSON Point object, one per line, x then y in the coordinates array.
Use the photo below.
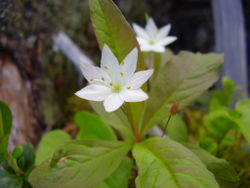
{"type": "Point", "coordinates": [243, 107]}
{"type": "Point", "coordinates": [166, 163]}
{"type": "Point", "coordinates": [116, 119]}
{"type": "Point", "coordinates": [177, 129]}
{"type": "Point", "coordinates": [80, 164]}
{"type": "Point", "coordinates": [223, 172]}
{"type": "Point", "coordinates": [5, 119]}
{"type": "Point", "coordinates": [50, 143]}
{"type": "Point", "coordinates": [26, 161]}
{"type": "Point", "coordinates": [5, 128]}
{"type": "Point", "coordinates": [111, 28]}
{"type": "Point", "coordinates": [92, 127]}
{"type": "Point", "coordinates": [119, 179]}
{"type": "Point", "coordinates": [184, 78]}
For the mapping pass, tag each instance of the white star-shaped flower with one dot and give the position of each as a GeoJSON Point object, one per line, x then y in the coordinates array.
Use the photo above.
{"type": "Point", "coordinates": [153, 39]}
{"type": "Point", "coordinates": [114, 82]}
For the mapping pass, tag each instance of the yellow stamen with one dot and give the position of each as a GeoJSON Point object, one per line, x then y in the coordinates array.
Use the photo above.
{"type": "Point", "coordinates": [103, 79]}
{"type": "Point", "coordinates": [122, 63]}
{"type": "Point", "coordinates": [122, 73]}
{"type": "Point", "coordinates": [92, 79]}
{"type": "Point", "coordinates": [111, 84]}
{"type": "Point", "coordinates": [105, 67]}
{"type": "Point", "coordinates": [128, 87]}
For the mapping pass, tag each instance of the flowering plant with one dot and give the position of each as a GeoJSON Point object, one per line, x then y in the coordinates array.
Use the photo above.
{"type": "Point", "coordinates": [114, 148]}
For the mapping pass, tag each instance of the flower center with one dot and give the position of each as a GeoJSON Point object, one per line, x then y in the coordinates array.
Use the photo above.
{"type": "Point", "coordinates": [116, 88]}
{"type": "Point", "coordinates": [151, 42]}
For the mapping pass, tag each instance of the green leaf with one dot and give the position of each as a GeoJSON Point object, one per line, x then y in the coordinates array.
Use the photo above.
{"type": "Point", "coordinates": [177, 129]}
{"type": "Point", "coordinates": [111, 28]}
{"type": "Point", "coordinates": [49, 144]}
{"type": "Point", "coordinates": [243, 107]}
{"type": "Point", "coordinates": [5, 128]}
{"type": "Point", "coordinates": [184, 78]}
{"type": "Point", "coordinates": [166, 163]}
{"type": "Point", "coordinates": [15, 172]}
{"type": "Point", "coordinates": [5, 119]}
{"type": "Point", "coordinates": [222, 99]}
{"type": "Point", "coordinates": [26, 161]}
{"type": "Point", "coordinates": [3, 147]}
{"type": "Point", "coordinates": [116, 119]}
{"type": "Point", "coordinates": [224, 173]}
{"type": "Point", "coordinates": [218, 123]}
{"type": "Point", "coordinates": [10, 180]}
{"type": "Point", "coordinates": [209, 145]}
{"type": "Point", "coordinates": [119, 179]}
{"type": "Point", "coordinates": [80, 164]}
{"type": "Point", "coordinates": [92, 127]}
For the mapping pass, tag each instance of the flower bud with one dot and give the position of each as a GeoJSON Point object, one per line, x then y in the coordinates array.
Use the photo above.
{"type": "Point", "coordinates": [174, 108]}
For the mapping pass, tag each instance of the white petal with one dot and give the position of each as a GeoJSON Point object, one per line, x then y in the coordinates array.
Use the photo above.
{"type": "Point", "coordinates": [158, 48]}
{"type": "Point", "coordinates": [109, 63]}
{"type": "Point", "coordinates": [133, 95]}
{"type": "Point", "coordinates": [140, 31]}
{"type": "Point", "coordinates": [139, 78]}
{"type": "Point", "coordinates": [128, 65]}
{"type": "Point", "coordinates": [142, 41]}
{"type": "Point", "coordinates": [164, 31]}
{"type": "Point", "coordinates": [151, 28]}
{"type": "Point", "coordinates": [94, 92]}
{"type": "Point", "coordinates": [92, 73]}
{"type": "Point", "coordinates": [113, 102]}
{"type": "Point", "coordinates": [146, 48]}
{"type": "Point", "coordinates": [167, 40]}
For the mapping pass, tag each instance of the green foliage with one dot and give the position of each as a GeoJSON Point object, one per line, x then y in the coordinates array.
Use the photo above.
{"type": "Point", "coordinates": [50, 143]}
{"type": "Point", "coordinates": [80, 164]}
{"type": "Point", "coordinates": [17, 167]}
{"type": "Point", "coordinates": [243, 120]}
{"type": "Point", "coordinates": [111, 28]}
{"type": "Point", "coordinates": [116, 119]}
{"type": "Point", "coordinates": [165, 163]}
{"type": "Point", "coordinates": [92, 127]}
{"type": "Point", "coordinates": [101, 161]}
{"type": "Point", "coordinates": [177, 129]}
{"type": "Point", "coordinates": [119, 178]}
{"type": "Point", "coordinates": [184, 78]}
{"type": "Point", "coordinates": [222, 99]}
{"type": "Point", "coordinates": [223, 172]}
{"type": "Point", "coordinates": [5, 128]}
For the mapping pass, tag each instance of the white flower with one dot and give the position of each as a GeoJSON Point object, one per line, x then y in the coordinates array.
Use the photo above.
{"type": "Point", "coordinates": [114, 83]}
{"type": "Point", "coordinates": [153, 39]}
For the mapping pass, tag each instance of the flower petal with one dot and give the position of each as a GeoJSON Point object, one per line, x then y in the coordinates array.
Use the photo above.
{"type": "Point", "coordinates": [146, 48]}
{"type": "Point", "coordinates": [133, 95]}
{"type": "Point", "coordinates": [151, 28]}
{"type": "Point", "coordinates": [140, 31]}
{"type": "Point", "coordinates": [158, 48]}
{"type": "Point", "coordinates": [142, 41]}
{"type": "Point", "coordinates": [167, 40]}
{"type": "Point", "coordinates": [163, 32]}
{"type": "Point", "coordinates": [94, 92]}
{"type": "Point", "coordinates": [109, 62]}
{"type": "Point", "coordinates": [113, 102]}
{"type": "Point", "coordinates": [93, 73]}
{"type": "Point", "coordinates": [139, 78]}
{"type": "Point", "coordinates": [128, 65]}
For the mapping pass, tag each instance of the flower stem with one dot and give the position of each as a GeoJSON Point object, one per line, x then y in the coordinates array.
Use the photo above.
{"type": "Point", "coordinates": [134, 128]}
{"type": "Point", "coordinates": [166, 125]}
